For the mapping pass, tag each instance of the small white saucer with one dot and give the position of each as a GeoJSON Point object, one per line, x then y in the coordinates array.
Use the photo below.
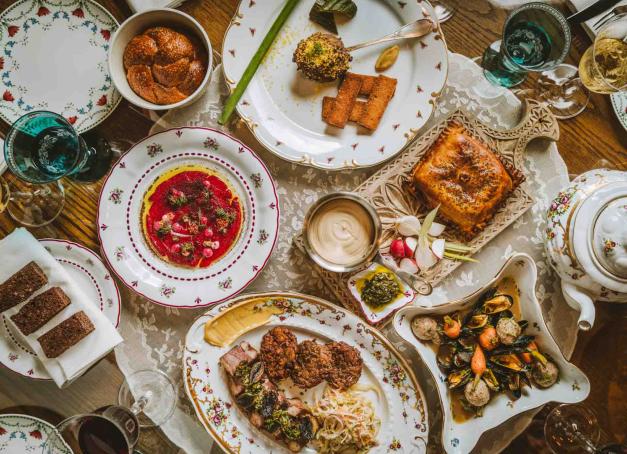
{"type": "Point", "coordinates": [90, 274]}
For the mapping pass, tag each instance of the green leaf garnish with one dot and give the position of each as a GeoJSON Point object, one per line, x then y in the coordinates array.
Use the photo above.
{"type": "Point", "coordinates": [347, 8]}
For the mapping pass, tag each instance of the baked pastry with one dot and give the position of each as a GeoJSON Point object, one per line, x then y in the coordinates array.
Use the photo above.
{"type": "Point", "coordinates": [40, 310]}
{"type": "Point", "coordinates": [164, 66]}
{"type": "Point", "coordinates": [21, 286]}
{"type": "Point", "coordinates": [66, 334]}
{"type": "Point", "coordinates": [465, 178]}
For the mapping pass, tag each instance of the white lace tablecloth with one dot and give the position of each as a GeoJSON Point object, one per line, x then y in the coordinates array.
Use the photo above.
{"type": "Point", "coordinates": [154, 335]}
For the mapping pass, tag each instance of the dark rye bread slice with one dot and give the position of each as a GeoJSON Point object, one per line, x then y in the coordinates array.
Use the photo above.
{"type": "Point", "coordinates": [66, 334]}
{"type": "Point", "coordinates": [40, 310]}
{"type": "Point", "coordinates": [21, 286]}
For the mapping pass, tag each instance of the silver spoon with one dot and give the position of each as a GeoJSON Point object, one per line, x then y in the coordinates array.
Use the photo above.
{"type": "Point", "coordinates": [416, 29]}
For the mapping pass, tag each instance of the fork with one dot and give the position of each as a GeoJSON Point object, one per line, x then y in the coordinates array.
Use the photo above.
{"type": "Point", "coordinates": [609, 16]}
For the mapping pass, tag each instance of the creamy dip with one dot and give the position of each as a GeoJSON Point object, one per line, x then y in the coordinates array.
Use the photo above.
{"type": "Point", "coordinates": [342, 232]}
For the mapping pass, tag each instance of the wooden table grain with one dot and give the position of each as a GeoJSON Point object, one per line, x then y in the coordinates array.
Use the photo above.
{"type": "Point", "coordinates": [589, 140]}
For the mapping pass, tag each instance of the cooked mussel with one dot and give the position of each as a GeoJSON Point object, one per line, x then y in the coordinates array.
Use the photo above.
{"type": "Point", "coordinates": [445, 356]}
{"type": "Point", "coordinates": [497, 303]}
{"type": "Point", "coordinates": [462, 358]}
{"type": "Point", "coordinates": [478, 321]}
{"type": "Point", "coordinates": [490, 380]}
{"type": "Point", "coordinates": [459, 378]}
{"type": "Point", "coordinates": [508, 361]}
{"type": "Point", "coordinates": [514, 386]}
{"type": "Point", "coordinates": [467, 342]}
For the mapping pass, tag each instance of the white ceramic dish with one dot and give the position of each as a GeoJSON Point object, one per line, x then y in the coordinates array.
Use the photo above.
{"type": "Point", "coordinates": [55, 58]}
{"type": "Point", "coordinates": [27, 434]}
{"type": "Point", "coordinates": [619, 102]}
{"type": "Point", "coordinates": [86, 269]}
{"type": "Point", "coordinates": [407, 295]}
{"type": "Point", "coordinates": [135, 25]}
{"type": "Point", "coordinates": [283, 109]}
{"type": "Point", "coordinates": [119, 217]}
{"type": "Point", "coordinates": [399, 401]}
{"type": "Point", "coordinates": [572, 386]}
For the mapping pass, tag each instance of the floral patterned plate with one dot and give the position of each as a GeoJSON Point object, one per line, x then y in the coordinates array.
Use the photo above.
{"type": "Point", "coordinates": [119, 217]}
{"type": "Point", "coordinates": [27, 434]}
{"type": "Point", "coordinates": [86, 268]}
{"type": "Point", "coordinates": [572, 385]}
{"type": "Point", "coordinates": [54, 57]}
{"type": "Point", "coordinates": [283, 109]}
{"type": "Point", "coordinates": [619, 102]}
{"type": "Point", "coordinates": [398, 399]}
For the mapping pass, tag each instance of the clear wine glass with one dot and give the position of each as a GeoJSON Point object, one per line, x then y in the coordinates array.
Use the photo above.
{"type": "Point", "coordinates": [572, 428]}
{"type": "Point", "coordinates": [40, 148]}
{"type": "Point", "coordinates": [603, 66]}
{"type": "Point", "coordinates": [536, 37]}
{"type": "Point", "coordinates": [146, 399]}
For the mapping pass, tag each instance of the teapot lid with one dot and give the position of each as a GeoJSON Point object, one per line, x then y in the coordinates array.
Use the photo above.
{"type": "Point", "coordinates": [609, 237]}
{"type": "Point", "coordinates": [599, 237]}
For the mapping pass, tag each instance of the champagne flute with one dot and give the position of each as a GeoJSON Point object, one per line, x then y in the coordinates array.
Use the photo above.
{"type": "Point", "coordinates": [603, 66]}
{"type": "Point", "coordinates": [40, 148]}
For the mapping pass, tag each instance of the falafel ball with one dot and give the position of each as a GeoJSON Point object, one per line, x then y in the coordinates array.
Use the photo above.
{"type": "Point", "coordinates": [508, 330]}
{"type": "Point", "coordinates": [313, 362]}
{"type": "Point", "coordinates": [278, 352]}
{"type": "Point", "coordinates": [347, 365]}
{"type": "Point", "coordinates": [477, 395]}
{"type": "Point", "coordinates": [425, 328]}
{"type": "Point", "coordinates": [545, 375]}
{"type": "Point", "coordinates": [322, 57]}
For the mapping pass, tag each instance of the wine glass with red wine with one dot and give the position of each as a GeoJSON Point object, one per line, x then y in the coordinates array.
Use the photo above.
{"type": "Point", "coordinates": [146, 399]}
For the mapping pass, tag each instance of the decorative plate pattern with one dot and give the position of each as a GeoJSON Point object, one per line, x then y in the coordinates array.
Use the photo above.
{"type": "Point", "coordinates": [86, 269]}
{"type": "Point", "coordinates": [119, 217]}
{"type": "Point", "coordinates": [399, 401]}
{"type": "Point", "coordinates": [619, 102]}
{"type": "Point", "coordinates": [572, 385]}
{"type": "Point", "coordinates": [283, 109]}
{"type": "Point", "coordinates": [53, 56]}
{"type": "Point", "coordinates": [27, 434]}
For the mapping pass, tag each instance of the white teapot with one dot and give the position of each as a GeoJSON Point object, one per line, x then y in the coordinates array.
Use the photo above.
{"type": "Point", "coordinates": [586, 240]}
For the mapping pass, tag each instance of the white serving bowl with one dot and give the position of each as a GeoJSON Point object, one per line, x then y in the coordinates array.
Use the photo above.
{"type": "Point", "coordinates": [572, 386]}
{"type": "Point", "coordinates": [136, 25]}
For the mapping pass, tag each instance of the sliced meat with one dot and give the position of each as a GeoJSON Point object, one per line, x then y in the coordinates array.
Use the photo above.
{"type": "Point", "coordinates": [312, 364]}
{"type": "Point", "coordinates": [295, 407]}
{"type": "Point", "coordinates": [347, 365]}
{"type": "Point", "coordinates": [243, 352]}
{"type": "Point", "coordinates": [278, 352]}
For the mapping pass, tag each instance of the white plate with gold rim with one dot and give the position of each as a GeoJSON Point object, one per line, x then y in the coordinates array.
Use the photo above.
{"type": "Point", "coordinates": [399, 402]}
{"type": "Point", "coordinates": [283, 109]}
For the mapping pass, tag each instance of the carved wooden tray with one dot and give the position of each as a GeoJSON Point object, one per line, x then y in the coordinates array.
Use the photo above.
{"type": "Point", "coordinates": [386, 189]}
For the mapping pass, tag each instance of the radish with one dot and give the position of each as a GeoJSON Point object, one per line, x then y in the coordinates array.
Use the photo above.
{"type": "Point", "coordinates": [397, 249]}
{"type": "Point", "coordinates": [410, 246]}
{"type": "Point", "coordinates": [436, 229]}
{"type": "Point", "coordinates": [408, 266]}
{"type": "Point", "coordinates": [424, 257]}
{"type": "Point", "coordinates": [437, 247]}
{"type": "Point", "coordinates": [408, 225]}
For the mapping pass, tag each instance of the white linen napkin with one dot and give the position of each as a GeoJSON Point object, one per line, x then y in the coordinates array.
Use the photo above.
{"type": "Point", "coordinates": [142, 5]}
{"type": "Point", "coordinates": [588, 25]}
{"type": "Point", "coordinates": [20, 248]}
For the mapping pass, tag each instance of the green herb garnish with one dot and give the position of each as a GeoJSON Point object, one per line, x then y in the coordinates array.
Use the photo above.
{"type": "Point", "coordinates": [380, 289]}
{"type": "Point", "coordinates": [254, 63]}
{"type": "Point", "coordinates": [322, 12]}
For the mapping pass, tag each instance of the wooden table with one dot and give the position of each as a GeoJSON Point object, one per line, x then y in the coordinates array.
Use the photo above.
{"type": "Point", "coordinates": [585, 141]}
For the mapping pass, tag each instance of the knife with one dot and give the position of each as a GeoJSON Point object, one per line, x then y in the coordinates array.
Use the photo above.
{"type": "Point", "coordinates": [591, 11]}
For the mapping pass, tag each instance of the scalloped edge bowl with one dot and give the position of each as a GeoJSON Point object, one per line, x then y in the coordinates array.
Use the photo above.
{"type": "Point", "coordinates": [572, 386]}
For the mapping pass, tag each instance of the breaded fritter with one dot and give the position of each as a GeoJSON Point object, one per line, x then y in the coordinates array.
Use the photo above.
{"type": "Point", "coordinates": [312, 364]}
{"type": "Point", "coordinates": [346, 367]}
{"type": "Point", "coordinates": [278, 352]}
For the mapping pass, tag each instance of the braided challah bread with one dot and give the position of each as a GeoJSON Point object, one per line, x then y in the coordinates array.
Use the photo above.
{"type": "Point", "coordinates": [164, 66]}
